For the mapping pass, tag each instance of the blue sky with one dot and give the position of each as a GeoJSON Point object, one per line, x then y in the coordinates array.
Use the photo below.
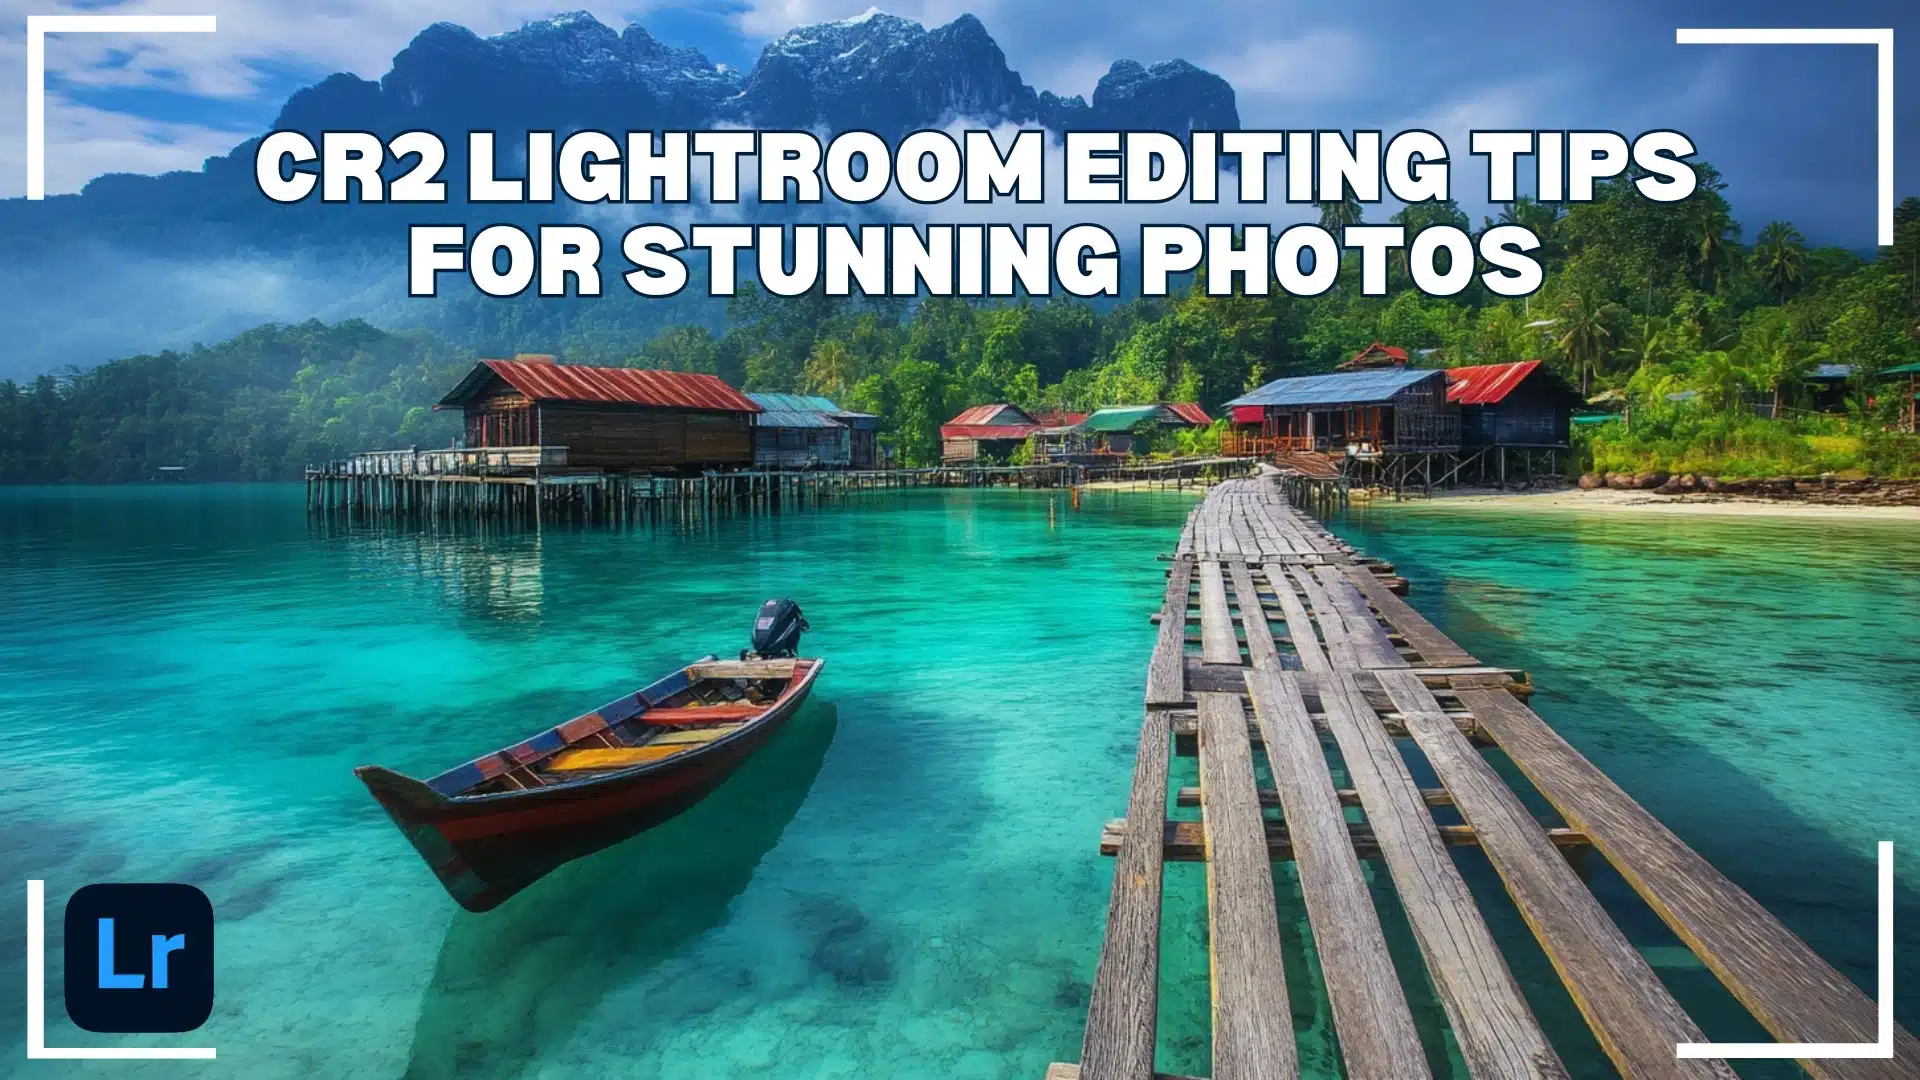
{"type": "Point", "coordinates": [1791, 127]}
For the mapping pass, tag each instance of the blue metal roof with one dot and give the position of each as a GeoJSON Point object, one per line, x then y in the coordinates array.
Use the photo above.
{"type": "Point", "coordinates": [795, 402]}
{"type": "Point", "coordinates": [795, 411]}
{"type": "Point", "coordinates": [1341, 388]}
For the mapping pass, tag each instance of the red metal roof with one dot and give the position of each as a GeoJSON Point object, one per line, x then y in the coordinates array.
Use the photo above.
{"type": "Point", "coordinates": [1191, 412]}
{"type": "Point", "coordinates": [1487, 384]}
{"type": "Point", "coordinates": [984, 414]}
{"type": "Point", "coordinates": [542, 381]}
{"type": "Point", "coordinates": [987, 431]}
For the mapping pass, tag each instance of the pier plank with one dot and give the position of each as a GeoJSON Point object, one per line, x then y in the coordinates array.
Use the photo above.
{"type": "Point", "coordinates": [1636, 1020]}
{"type": "Point", "coordinates": [1061, 1070]}
{"type": "Point", "coordinates": [1434, 647]}
{"type": "Point", "coordinates": [1496, 1031]}
{"type": "Point", "coordinates": [1186, 841]}
{"type": "Point", "coordinates": [1299, 625]}
{"type": "Point", "coordinates": [1122, 1013]}
{"type": "Point", "coordinates": [1167, 670]}
{"type": "Point", "coordinates": [1794, 994]}
{"type": "Point", "coordinates": [1341, 654]}
{"type": "Point", "coordinates": [1270, 798]}
{"type": "Point", "coordinates": [1253, 620]}
{"type": "Point", "coordinates": [1217, 643]}
{"type": "Point", "coordinates": [1377, 1038]}
{"type": "Point", "coordinates": [1252, 1025]}
{"type": "Point", "coordinates": [1369, 638]}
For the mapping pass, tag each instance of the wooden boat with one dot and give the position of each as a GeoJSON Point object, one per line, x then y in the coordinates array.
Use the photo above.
{"type": "Point", "coordinates": [493, 826]}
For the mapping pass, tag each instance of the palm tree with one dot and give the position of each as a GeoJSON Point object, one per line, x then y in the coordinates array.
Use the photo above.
{"type": "Point", "coordinates": [1649, 344]}
{"type": "Point", "coordinates": [1338, 213]}
{"type": "Point", "coordinates": [1780, 257]}
{"type": "Point", "coordinates": [1541, 219]}
{"type": "Point", "coordinates": [829, 369]}
{"type": "Point", "coordinates": [1723, 379]}
{"type": "Point", "coordinates": [1584, 335]}
{"type": "Point", "coordinates": [1712, 251]}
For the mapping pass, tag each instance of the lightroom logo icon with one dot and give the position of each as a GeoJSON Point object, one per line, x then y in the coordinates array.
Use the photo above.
{"type": "Point", "coordinates": [139, 958]}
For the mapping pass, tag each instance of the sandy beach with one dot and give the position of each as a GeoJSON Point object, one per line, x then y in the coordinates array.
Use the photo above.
{"type": "Point", "coordinates": [1574, 500]}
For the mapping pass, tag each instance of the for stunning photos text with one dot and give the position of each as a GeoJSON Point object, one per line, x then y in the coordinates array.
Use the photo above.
{"type": "Point", "coordinates": [973, 169]}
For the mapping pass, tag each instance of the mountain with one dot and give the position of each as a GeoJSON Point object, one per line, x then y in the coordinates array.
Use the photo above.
{"type": "Point", "coordinates": [874, 72]}
{"type": "Point", "coordinates": [146, 262]}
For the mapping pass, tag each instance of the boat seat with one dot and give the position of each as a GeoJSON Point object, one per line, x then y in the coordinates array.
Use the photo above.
{"type": "Point", "coordinates": [702, 714]}
{"type": "Point", "coordinates": [624, 757]}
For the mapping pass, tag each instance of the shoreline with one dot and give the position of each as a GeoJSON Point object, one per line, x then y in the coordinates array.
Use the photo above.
{"type": "Point", "coordinates": [1609, 501]}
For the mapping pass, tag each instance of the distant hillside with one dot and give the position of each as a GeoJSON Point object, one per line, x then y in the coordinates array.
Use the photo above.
{"type": "Point", "coordinates": [260, 406]}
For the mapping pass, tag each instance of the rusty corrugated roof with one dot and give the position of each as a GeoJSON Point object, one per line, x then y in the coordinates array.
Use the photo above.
{"type": "Point", "coordinates": [543, 381]}
{"type": "Point", "coordinates": [1368, 357]}
{"type": "Point", "coordinates": [1191, 412]}
{"type": "Point", "coordinates": [985, 414]}
{"type": "Point", "coordinates": [987, 431]}
{"type": "Point", "coordinates": [1487, 384]}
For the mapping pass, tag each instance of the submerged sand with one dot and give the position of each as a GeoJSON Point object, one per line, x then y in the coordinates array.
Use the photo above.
{"type": "Point", "coordinates": [1607, 500]}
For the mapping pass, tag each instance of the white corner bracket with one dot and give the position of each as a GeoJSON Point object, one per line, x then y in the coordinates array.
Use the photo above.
{"type": "Point", "coordinates": [1881, 39]}
{"type": "Point", "coordinates": [1881, 1048]}
{"type": "Point", "coordinates": [38, 27]}
{"type": "Point", "coordinates": [37, 1003]}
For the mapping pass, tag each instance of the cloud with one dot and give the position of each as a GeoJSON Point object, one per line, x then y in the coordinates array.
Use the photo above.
{"type": "Point", "coordinates": [84, 142]}
{"type": "Point", "coordinates": [1317, 66]}
{"type": "Point", "coordinates": [231, 65]}
{"type": "Point", "coordinates": [358, 36]}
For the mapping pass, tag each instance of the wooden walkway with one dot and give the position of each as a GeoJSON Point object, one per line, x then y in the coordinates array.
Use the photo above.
{"type": "Point", "coordinates": [1307, 658]}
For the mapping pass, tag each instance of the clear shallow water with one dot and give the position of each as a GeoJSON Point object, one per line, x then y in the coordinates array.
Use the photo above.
{"type": "Point", "coordinates": [906, 884]}
{"type": "Point", "coordinates": [1755, 683]}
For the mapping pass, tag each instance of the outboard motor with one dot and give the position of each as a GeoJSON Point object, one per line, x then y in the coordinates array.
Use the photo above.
{"type": "Point", "coordinates": [777, 630]}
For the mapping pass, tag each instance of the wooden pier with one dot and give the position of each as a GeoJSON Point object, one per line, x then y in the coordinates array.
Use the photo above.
{"type": "Point", "coordinates": [535, 484]}
{"type": "Point", "coordinates": [1307, 658]}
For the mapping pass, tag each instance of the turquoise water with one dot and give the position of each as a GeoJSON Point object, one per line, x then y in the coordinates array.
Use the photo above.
{"type": "Point", "coordinates": [1755, 683]}
{"type": "Point", "coordinates": [906, 884]}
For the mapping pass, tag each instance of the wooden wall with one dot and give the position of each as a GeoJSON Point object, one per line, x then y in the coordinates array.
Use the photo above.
{"type": "Point", "coordinates": [1530, 416]}
{"type": "Point", "coordinates": [1423, 417]}
{"type": "Point", "coordinates": [863, 449]}
{"type": "Point", "coordinates": [501, 417]}
{"type": "Point", "coordinates": [801, 448]}
{"type": "Point", "coordinates": [624, 437]}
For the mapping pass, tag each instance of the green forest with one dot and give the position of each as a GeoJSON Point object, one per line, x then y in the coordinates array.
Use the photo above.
{"type": "Point", "coordinates": [1688, 323]}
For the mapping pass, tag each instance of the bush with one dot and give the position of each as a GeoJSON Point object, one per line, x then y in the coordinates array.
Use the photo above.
{"type": "Point", "coordinates": [1684, 438]}
{"type": "Point", "coordinates": [1199, 442]}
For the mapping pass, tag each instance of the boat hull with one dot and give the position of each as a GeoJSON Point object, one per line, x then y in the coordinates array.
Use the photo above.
{"type": "Point", "coordinates": [486, 849]}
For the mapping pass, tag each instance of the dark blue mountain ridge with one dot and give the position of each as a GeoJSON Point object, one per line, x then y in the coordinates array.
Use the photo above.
{"type": "Point", "coordinates": [876, 72]}
{"type": "Point", "coordinates": [136, 263]}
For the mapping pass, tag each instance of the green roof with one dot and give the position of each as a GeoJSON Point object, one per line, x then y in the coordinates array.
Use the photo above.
{"type": "Point", "coordinates": [1120, 419]}
{"type": "Point", "coordinates": [1903, 369]}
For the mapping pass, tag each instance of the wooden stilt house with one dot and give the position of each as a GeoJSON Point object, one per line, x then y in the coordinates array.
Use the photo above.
{"type": "Point", "coordinates": [607, 418]}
